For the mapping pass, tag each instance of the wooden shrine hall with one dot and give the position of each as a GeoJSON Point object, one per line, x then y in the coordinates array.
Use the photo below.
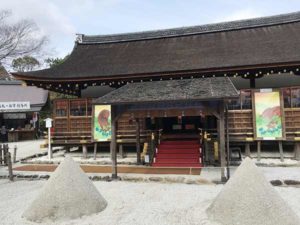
{"type": "Point", "coordinates": [169, 89]}
{"type": "Point", "coordinates": [167, 99]}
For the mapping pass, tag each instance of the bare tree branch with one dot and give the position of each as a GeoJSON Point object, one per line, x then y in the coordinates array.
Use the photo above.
{"type": "Point", "coordinates": [19, 39]}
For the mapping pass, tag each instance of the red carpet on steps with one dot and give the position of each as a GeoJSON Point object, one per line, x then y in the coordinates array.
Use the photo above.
{"type": "Point", "coordinates": [183, 153]}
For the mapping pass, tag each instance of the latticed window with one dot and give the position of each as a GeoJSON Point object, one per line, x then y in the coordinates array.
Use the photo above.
{"type": "Point", "coordinates": [61, 108]}
{"type": "Point", "coordinates": [295, 97]}
{"type": "Point", "coordinates": [286, 92]}
{"type": "Point", "coordinates": [246, 100]}
{"type": "Point", "coordinates": [234, 104]}
{"type": "Point", "coordinates": [78, 107]}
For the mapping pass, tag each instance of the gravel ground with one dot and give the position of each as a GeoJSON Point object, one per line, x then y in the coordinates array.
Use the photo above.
{"type": "Point", "coordinates": [248, 198]}
{"type": "Point", "coordinates": [27, 148]}
{"type": "Point", "coordinates": [130, 203]}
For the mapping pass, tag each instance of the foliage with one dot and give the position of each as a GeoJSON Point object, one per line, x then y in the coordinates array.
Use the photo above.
{"type": "Point", "coordinates": [26, 63]}
{"type": "Point", "coordinates": [51, 62]}
{"type": "Point", "coordinates": [48, 108]}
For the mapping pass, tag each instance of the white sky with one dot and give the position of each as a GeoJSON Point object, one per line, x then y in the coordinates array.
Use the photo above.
{"type": "Point", "coordinates": [61, 19]}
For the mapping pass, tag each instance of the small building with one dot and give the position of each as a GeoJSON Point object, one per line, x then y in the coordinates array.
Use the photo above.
{"type": "Point", "coordinates": [225, 84]}
{"type": "Point", "coordinates": [19, 109]}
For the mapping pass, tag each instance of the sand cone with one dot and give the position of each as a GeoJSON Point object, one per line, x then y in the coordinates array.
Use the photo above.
{"type": "Point", "coordinates": [68, 194]}
{"type": "Point", "coordinates": [248, 199]}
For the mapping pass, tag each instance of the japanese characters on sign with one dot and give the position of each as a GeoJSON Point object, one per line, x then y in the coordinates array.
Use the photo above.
{"type": "Point", "coordinates": [4, 106]}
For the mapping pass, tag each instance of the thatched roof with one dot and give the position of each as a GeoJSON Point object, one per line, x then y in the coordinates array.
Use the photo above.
{"type": "Point", "coordinates": [239, 45]}
{"type": "Point", "coordinates": [172, 90]}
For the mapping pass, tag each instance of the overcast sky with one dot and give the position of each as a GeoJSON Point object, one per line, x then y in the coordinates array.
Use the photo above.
{"type": "Point", "coordinates": [60, 20]}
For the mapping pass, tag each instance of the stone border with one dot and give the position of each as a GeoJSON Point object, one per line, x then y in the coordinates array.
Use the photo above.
{"type": "Point", "coordinates": [107, 178]}
{"type": "Point", "coordinates": [155, 179]}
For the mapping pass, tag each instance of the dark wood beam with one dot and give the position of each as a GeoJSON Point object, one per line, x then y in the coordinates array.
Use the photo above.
{"type": "Point", "coordinates": [227, 140]}
{"type": "Point", "coordinates": [113, 143]}
{"type": "Point", "coordinates": [138, 141]}
{"type": "Point", "coordinates": [221, 132]}
{"type": "Point", "coordinates": [252, 83]}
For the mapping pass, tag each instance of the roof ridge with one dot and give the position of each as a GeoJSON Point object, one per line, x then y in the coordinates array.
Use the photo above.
{"type": "Point", "coordinates": [192, 30]}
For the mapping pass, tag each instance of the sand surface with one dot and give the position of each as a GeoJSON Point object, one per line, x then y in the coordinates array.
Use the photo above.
{"type": "Point", "coordinates": [67, 187]}
{"type": "Point", "coordinates": [248, 198]}
{"type": "Point", "coordinates": [130, 203]}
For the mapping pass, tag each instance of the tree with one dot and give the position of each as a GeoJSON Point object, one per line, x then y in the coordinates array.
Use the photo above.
{"type": "Point", "coordinates": [48, 108]}
{"type": "Point", "coordinates": [51, 62]}
{"type": "Point", "coordinates": [18, 39]}
{"type": "Point", "coordinates": [26, 63]}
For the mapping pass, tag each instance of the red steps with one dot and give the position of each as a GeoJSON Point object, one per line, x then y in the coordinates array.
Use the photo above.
{"type": "Point", "coordinates": [178, 154]}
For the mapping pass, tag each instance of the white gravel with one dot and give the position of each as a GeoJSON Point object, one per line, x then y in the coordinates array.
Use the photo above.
{"type": "Point", "coordinates": [130, 203]}
{"type": "Point", "coordinates": [248, 198]}
{"type": "Point", "coordinates": [27, 148]}
{"type": "Point", "coordinates": [68, 194]}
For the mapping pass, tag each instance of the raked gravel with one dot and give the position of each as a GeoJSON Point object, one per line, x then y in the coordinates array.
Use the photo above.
{"type": "Point", "coordinates": [68, 194]}
{"type": "Point", "coordinates": [248, 198]}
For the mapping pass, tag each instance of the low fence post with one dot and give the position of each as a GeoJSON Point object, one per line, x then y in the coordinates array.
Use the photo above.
{"type": "Point", "coordinates": [15, 154]}
{"type": "Point", "coordinates": [9, 164]}
{"type": "Point", "coordinates": [5, 151]}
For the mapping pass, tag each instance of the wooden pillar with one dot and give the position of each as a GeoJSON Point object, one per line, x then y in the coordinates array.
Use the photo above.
{"type": "Point", "coordinates": [247, 149]}
{"type": "Point", "coordinates": [207, 159]}
{"type": "Point", "coordinates": [121, 151]}
{"type": "Point", "coordinates": [84, 151]}
{"type": "Point", "coordinates": [281, 151]}
{"type": "Point", "coordinates": [95, 150]}
{"type": "Point", "coordinates": [113, 143]}
{"type": "Point", "coordinates": [221, 128]}
{"type": "Point", "coordinates": [258, 150]}
{"type": "Point", "coordinates": [297, 150]}
{"type": "Point", "coordinates": [1, 158]}
{"type": "Point", "coordinates": [227, 142]}
{"type": "Point", "coordinates": [252, 83]}
{"type": "Point", "coordinates": [138, 142]}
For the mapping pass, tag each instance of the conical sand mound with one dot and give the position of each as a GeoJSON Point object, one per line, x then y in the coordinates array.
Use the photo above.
{"type": "Point", "coordinates": [68, 194]}
{"type": "Point", "coordinates": [248, 199]}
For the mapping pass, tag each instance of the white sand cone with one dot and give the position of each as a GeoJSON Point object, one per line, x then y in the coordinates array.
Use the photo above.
{"type": "Point", "coordinates": [68, 194]}
{"type": "Point", "coordinates": [248, 199]}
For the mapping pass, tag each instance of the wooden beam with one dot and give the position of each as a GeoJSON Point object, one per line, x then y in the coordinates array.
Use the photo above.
{"type": "Point", "coordinates": [95, 150]}
{"type": "Point", "coordinates": [138, 142]}
{"type": "Point", "coordinates": [252, 83]}
{"type": "Point", "coordinates": [227, 141]}
{"type": "Point", "coordinates": [84, 151]}
{"type": "Point", "coordinates": [297, 150]}
{"type": "Point", "coordinates": [121, 150]}
{"type": "Point", "coordinates": [221, 132]}
{"type": "Point", "coordinates": [247, 149]}
{"type": "Point", "coordinates": [281, 151]}
{"type": "Point", "coordinates": [113, 143]}
{"type": "Point", "coordinates": [258, 150]}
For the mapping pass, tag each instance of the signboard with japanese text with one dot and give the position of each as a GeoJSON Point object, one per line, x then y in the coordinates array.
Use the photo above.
{"type": "Point", "coordinates": [8, 106]}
